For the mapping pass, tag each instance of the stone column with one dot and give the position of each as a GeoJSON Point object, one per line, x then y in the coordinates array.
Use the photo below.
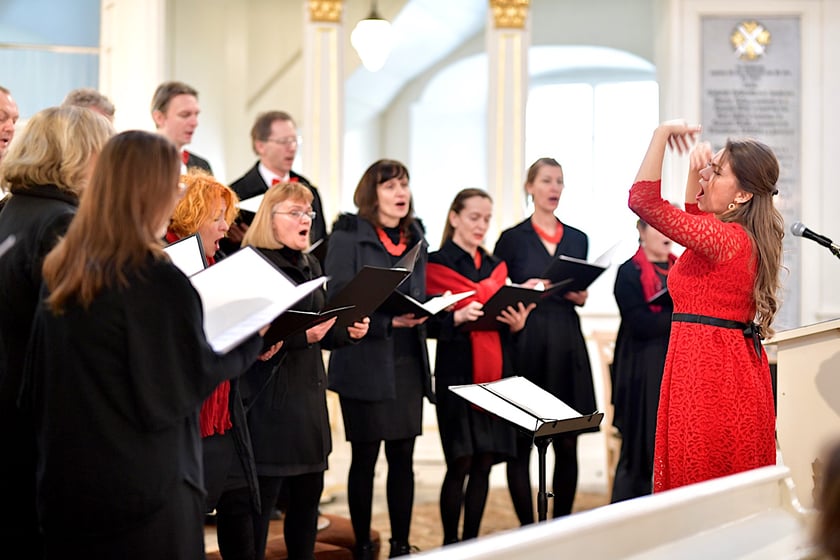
{"type": "Point", "coordinates": [322, 122]}
{"type": "Point", "coordinates": [508, 39]}
{"type": "Point", "coordinates": [133, 59]}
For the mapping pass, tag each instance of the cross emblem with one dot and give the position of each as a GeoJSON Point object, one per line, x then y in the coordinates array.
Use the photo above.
{"type": "Point", "coordinates": [750, 40]}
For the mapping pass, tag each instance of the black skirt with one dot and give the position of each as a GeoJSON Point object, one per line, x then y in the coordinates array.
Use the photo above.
{"type": "Point", "coordinates": [551, 352]}
{"type": "Point", "coordinates": [392, 419]}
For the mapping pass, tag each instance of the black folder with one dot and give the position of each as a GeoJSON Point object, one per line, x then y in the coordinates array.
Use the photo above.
{"type": "Point", "coordinates": [662, 297]}
{"type": "Point", "coordinates": [504, 297]}
{"type": "Point", "coordinates": [578, 272]}
{"type": "Point", "coordinates": [293, 322]}
{"type": "Point", "coordinates": [366, 292]}
{"type": "Point", "coordinates": [187, 254]}
{"type": "Point", "coordinates": [399, 303]}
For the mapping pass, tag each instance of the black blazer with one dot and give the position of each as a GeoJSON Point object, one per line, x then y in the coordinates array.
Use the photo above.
{"type": "Point", "coordinates": [195, 161]}
{"type": "Point", "coordinates": [251, 184]}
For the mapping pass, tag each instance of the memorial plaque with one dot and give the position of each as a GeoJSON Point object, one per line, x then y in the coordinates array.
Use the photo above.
{"type": "Point", "coordinates": [751, 86]}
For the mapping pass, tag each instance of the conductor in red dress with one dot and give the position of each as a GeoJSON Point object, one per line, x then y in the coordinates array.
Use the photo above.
{"type": "Point", "coordinates": [716, 414]}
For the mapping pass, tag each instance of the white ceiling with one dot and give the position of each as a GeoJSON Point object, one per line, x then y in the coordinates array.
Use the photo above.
{"type": "Point", "coordinates": [425, 32]}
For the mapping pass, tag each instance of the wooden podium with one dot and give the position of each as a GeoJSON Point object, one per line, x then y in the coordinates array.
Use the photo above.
{"type": "Point", "coordinates": [808, 397]}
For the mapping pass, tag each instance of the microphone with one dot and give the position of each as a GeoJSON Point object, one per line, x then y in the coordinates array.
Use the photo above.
{"type": "Point", "coordinates": [798, 229]}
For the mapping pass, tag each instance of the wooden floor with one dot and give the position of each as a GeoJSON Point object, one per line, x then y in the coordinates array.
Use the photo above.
{"type": "Point", "coordinates": [429, 469]}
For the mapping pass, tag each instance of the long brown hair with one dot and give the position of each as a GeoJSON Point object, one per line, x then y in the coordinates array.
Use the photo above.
{"type": "Point", "coordinates": [366, 199]}
{"type": "Point", "coordinates": [131, 195]}
{"type": "Point", "coordinates": [457, 205]}
{"type": "Point", "coordinates": [757, 171]}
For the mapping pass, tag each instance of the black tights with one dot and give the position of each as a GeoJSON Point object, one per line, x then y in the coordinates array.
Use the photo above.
{"type": "Point", "coordinates": [453, 496]}
{"type": "Point", "coordinates": [564, 484]}
{"type": "Point", "coordinates": [399, 487]}
{"type": "Point", "coordinates": [300, 519]}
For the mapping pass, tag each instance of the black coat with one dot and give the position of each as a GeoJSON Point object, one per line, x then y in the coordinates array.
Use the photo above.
{"type": "Point", "coordinates": [638, 363]}
{"type": "Point", "coordinates": [251, 184]}
{"type": "Point", "coordinates": [116, 390]}
{"type": "Point", "coordinates": [286, 402]}
{"type": "Point", "coordinates": [37, 216]}
{"type": "Point", "coordinates": [365, 371]}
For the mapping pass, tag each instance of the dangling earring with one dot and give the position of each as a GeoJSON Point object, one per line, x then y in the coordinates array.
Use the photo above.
{"type": "Point", "coordinates": [731, 206]}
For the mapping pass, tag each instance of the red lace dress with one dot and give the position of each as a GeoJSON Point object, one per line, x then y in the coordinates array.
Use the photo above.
{"type": "Point", "coordinates": [716, 414]}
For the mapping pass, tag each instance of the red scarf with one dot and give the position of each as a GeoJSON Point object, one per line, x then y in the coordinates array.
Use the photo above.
{"type": "Point", "coordinates": [214, 417]}
{"type": "Point", "coordinates": [545, 236]}
{"type": "Point", "coordinates": [486, 345]}
{"type": "Point", "coordinates": [394, 249]}
{"type": "Point", "coordinates": [651, 283]}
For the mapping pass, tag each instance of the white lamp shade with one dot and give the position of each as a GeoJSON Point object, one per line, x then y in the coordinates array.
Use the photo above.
{"type": "Point", "coordinates": [372, 40]}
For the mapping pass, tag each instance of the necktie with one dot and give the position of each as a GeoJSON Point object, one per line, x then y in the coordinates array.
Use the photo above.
{"type": "Point", "coordinates": [185, 156]}
{"type": "Point", "coordinates": [274, 181]}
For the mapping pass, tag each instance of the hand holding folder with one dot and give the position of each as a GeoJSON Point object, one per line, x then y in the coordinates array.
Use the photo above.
{"type": "Point", "coordinates": [371, 287]}
{"type": "Point", "coordinates": [243, 293]}
{"type": "Point", "coordinates": [507, 296]}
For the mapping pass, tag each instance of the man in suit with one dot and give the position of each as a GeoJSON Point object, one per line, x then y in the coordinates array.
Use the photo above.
{"type": "Point", "coordinates": [275, 141]}
{"type": "Point", "coordinates": [175, 112]}
{"type": "Point", "coordinates": [92, 99]}
{"type": "Point", "coordinates": [8, 117]}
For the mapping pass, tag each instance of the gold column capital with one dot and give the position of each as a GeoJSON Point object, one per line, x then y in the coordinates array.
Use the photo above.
{"type": "Point", "coordinates": [325, 11]}
{"type": "Point", "coordinates": [510, 14]}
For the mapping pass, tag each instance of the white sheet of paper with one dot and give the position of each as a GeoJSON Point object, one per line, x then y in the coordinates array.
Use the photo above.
{"type": "Point", "coordinates": [243, 293]}
{"type": "Point", "coordinates": [186, 254]}
{"type": "Point", "coordinates": [251, 204]}
{"type": "Point", "coordinates": [7, 244]}
{"type": "Point", "coordinates": [539, 401]}
{"type": "Point", "coordinates": [605, 259]}
{"type": "Point", "coordinates": [491, 403]}
{"type": "Point", "coordinates": [439, 303]}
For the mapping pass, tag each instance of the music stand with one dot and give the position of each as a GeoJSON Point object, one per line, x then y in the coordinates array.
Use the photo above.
{"type": "Point", "coordinates": [531, 409]}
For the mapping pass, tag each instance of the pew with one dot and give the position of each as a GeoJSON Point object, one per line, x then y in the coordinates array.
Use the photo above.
{"type": "Point", "coordinates": [752, 515]}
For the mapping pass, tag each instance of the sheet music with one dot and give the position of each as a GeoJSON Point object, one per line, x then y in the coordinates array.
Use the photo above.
{"type": "Point", "coordinates": [229, 316]}
{"type": "Point", "coordinates": [605, 259]}
{"type": "Point", "coordinates": [251, 204]}
{"type": "Point", "coordinates": [542, 403]}
{"type": "Point", "coordinates": [187, 254]}
{"type": "Point", "coordinates": [7, 244]}
{"type": "Point", "coordinates": [483, 398]}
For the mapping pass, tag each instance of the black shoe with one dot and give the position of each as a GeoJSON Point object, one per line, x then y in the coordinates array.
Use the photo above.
{"type": "Point", "coordinates": [401, 548]}
{"type": "Point", "coordinates": [363, 551]}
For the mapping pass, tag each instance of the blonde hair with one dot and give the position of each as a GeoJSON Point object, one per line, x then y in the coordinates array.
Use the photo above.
{"type": "Point", "coordinates": [56, 148]}
{"type": "Point", "coordinates": [136, 181]}
{"type": "Point", "coordinates": [200, 200]}
{"type": "Point", "coordinates": [261, 233]}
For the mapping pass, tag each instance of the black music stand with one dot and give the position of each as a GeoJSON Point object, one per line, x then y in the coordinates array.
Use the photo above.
{"type": "Point", "coordinates": [533, 410]}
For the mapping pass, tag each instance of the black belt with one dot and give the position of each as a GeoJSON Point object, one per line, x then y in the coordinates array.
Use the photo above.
{"type": "Point", "coordinates": [750, 330]}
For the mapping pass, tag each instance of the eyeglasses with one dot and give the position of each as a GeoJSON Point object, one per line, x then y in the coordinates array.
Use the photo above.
{"type": "Point", "coordinates": [298, 214]}
{"type": "Point", "coordinates": [286, 141]}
